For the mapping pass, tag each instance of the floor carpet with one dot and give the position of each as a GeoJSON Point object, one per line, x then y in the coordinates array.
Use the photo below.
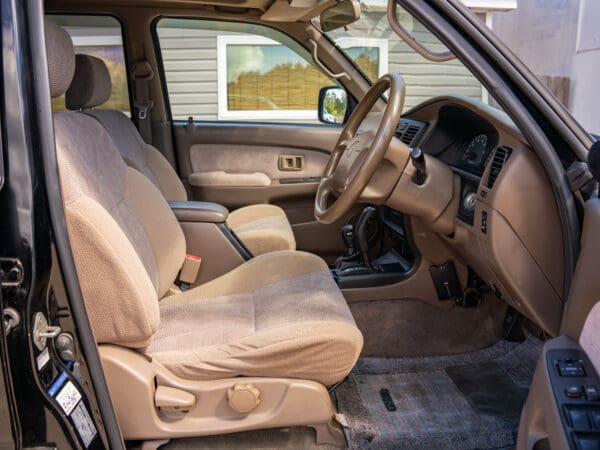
{"type": "Point", "coordinates": [467, 401]}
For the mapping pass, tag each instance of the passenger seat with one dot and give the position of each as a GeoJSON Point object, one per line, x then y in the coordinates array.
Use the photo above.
{"type": "Point", "coordinates": [262, 228]}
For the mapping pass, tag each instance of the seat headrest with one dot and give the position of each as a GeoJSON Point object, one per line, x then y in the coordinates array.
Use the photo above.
{"type": "Point", "coordinates": [61, 58]}
{"type": "Point", "coordinates": [91, 84]}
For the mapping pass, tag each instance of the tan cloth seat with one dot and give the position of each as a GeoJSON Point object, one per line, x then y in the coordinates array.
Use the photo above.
{"type": "Point", "coordinates": [277, 315]}
{"type": "Point", "coordinates": [262, 228]}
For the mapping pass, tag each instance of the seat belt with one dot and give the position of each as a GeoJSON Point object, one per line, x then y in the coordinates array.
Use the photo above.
{"type": "Point", "coordinates": [141, 74]}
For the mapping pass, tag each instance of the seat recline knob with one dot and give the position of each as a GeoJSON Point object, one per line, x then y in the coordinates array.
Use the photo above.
{"type": "Point", "coordinates": [243, 398]}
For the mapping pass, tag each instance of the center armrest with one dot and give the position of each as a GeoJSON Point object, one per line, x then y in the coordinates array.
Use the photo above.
{"type": "Point", "coordinates": [199, 212]}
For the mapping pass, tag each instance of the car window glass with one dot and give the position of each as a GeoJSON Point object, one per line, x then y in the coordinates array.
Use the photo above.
{"type": "Point", "coordinates": [99, 36]}
{"type": "Point", "coordinates": [233, 71]}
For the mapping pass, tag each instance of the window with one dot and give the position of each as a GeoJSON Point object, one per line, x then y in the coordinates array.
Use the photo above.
{"type": "Point", "coordinates": [258, 78]}
{"type": "Point", "coordinates": [230, 71]}
{"type": "Point", "coordinates": [99, 36]}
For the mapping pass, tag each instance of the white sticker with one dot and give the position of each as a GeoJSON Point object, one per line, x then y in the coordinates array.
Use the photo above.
{"type": "Point", "coordinates": [68, 397]}
{"type": "Point", "coordinates": [84, 424]}
{"type": "Point", "coordinates": [43, 358]}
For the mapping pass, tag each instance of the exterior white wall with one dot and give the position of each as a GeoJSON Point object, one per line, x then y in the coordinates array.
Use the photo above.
{"type": "Point", "coordinates": [559, 38]}
{"type": "Point", "coordinates": [585, 92]}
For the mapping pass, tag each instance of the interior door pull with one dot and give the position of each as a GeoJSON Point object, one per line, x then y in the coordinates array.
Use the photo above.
{"type": "Point", "coordinates": [291, 162]}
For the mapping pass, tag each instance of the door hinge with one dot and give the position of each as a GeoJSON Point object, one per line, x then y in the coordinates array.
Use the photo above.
{"type": "Point", "coordinates": [11, 272]}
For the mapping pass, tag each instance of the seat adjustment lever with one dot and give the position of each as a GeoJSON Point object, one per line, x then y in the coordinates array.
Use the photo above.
{"type": "Point", "coordinates": [173, 400]}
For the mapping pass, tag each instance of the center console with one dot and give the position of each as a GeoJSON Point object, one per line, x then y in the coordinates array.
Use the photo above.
{"type": "Point", "coordinates": [208, 236]}
{"type": "Point", "coordinates": [378, 250]}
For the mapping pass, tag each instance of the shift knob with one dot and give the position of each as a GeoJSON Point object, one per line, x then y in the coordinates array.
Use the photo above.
{"type": "Point", "coordinates": [348, 237]}
{"type": "Point", "coordinates": [417, 157]}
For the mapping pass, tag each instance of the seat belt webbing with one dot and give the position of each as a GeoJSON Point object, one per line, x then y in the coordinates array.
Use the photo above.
{"type": "Point", "coordinates": [142, 73]}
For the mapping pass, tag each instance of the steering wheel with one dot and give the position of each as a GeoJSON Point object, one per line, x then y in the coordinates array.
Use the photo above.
{"type": "Point", "coordinates": [359, 150]}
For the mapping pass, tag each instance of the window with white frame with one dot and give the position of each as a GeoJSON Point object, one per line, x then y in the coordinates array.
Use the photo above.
{"type": "Point", "coordinates": [245, 72]}
{"type": "Point", "coordinates": [260, 79]}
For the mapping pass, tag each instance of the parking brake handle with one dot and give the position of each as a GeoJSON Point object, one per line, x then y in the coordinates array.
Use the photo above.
{"type": "Point", "coordinates": [362, 233]}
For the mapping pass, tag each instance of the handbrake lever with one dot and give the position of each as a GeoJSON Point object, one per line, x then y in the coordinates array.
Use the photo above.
{"type": "Point", "coordinates": [362, 237]}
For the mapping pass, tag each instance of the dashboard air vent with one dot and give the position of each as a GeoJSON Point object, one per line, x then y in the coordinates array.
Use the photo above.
{"type": "Point", "coordinates": [500, 156]}
{"type": "Point", "coordinates": [409, 134]}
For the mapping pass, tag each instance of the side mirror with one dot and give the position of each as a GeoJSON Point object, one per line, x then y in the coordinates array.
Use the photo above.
{"type": "Point", "coordinates": [333, 104]}
{"type": "Point", "coordinates": [339, 15]}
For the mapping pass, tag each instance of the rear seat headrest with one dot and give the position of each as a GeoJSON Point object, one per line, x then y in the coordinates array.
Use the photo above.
{"type": "Point", "coordinates": [91, 84]}
{"type": "Point", "coordinates": [61, 58]}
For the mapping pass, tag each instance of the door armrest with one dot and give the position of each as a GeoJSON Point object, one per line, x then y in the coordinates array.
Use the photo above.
{"type": "Point", "coordinates": [199, 212]}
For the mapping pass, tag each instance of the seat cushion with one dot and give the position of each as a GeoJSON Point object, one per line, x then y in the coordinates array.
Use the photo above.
{"type": "Point", "coordinates": [262, 228]}
{"type": "Point", "coordinates": [278, 315]}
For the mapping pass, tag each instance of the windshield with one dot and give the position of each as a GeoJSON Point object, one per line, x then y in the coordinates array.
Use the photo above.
{"type": "Point", "coordinates": [376, 50]}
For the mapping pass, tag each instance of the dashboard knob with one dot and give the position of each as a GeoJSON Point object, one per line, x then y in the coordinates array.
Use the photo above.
{"type": "Point", "coordinates": [469, 202]}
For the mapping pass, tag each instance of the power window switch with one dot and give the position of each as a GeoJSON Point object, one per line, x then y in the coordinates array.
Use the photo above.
{"type": "Point", "coordinates": [571, 369]}
{"type": "Point", "coordinates": [591, 392]}
{"type": "Point", "coordinates": [579, 419]}
{"type": "Point", "coordinates": [573, 392]}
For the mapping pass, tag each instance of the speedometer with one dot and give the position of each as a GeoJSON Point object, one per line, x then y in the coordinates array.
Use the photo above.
{"type": "Point", "coordinates": [475, 150]}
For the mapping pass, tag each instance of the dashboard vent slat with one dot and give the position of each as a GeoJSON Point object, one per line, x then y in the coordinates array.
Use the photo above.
{"type": "Point", "coordinates": [500, 156]}
{"type": "Point", "coordinates": [409, 134]}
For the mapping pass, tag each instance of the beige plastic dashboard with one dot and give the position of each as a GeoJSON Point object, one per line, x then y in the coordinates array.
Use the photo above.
{"type": "Point", "coordinates": [520, 250]}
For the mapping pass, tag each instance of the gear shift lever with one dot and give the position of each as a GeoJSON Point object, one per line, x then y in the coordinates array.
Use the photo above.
{"type": "Point", "coordinates": [350, 256]}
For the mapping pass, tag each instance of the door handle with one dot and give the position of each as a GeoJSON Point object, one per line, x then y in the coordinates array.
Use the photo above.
{"type": "Point", "coordinates": [291, 163]}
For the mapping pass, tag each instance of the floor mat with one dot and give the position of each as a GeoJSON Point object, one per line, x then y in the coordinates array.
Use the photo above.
{"type": "Point", "coordinates": [468, 401]}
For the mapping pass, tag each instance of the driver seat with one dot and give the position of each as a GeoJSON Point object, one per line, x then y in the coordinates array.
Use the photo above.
{"type": "Point", "coordinates": [277, 327]}
{"type": "Point", "coordinates": [262, 228]}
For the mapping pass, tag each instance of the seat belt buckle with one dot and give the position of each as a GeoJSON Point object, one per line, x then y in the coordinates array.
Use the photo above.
{"type": "Point", "coordinates": [143, 109]}
{"type": "Point", "coordinates": [189, 271]}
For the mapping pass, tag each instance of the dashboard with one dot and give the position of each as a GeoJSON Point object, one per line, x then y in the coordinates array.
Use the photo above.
{"type": "Point", "coordinates": [461, 139]}
{"type": "Point", "coordinates": [506, 224]}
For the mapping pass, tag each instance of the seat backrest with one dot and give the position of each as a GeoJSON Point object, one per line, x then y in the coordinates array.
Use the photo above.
{"type": "Point", "coordinates": [91, 87]}
{"type": "Point", "coordinates": [127, 244]}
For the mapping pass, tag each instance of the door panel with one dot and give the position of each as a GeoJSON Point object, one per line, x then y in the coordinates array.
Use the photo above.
{"type": "Point", "coordinates": [546, 416]}
{"type": "Point", "coordinates": [239, 164]}
{"type": "Point", "coordinates": [546, 421]}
